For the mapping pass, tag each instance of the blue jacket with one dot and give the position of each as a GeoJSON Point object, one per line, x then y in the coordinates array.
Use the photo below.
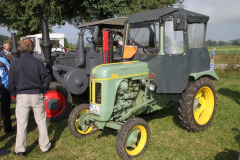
{"type": "Point", "coordinates": [28, 75]}
{"type": "Point", "coordinates": [4, 67]}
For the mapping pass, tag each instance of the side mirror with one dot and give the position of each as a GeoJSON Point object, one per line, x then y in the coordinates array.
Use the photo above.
{"type": "Point", "coordinates": [179, 21]}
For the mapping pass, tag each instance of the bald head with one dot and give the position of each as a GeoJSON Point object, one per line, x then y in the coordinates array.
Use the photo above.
{"type": "Point", "coordinates": [26, 45]}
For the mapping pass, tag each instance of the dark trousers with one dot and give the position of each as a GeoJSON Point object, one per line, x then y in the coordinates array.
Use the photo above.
{"type": "Point", "coordinates": [5, 108]}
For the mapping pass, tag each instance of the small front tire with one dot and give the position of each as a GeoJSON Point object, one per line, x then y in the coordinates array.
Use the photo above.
{"type": "Point", "coordinates": [133, 138]}
{"type": "Point", "coordinates": [73, 124]}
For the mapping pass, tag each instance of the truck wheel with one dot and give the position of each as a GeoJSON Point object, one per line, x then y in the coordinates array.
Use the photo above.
{"type": "Point", "coordinates": [132, 138]}
{"type": "Point", "coordinates": [197, 105]}
{"type": "Point", "coordinates": [58, 102]}
{"type": "Point", "coordinates": [74, 126]}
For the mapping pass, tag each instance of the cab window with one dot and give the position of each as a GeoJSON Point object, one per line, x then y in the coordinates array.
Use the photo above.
{"type": "Point", "coordinates": [173, 40]}
{"type": "Point", "coordinates": [196, 35]}
{"type": "Point", "coordinates": [145, 36]}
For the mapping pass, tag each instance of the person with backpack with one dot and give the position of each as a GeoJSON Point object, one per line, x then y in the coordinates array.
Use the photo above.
{"type": "Point", "coordinates": [5, 95]}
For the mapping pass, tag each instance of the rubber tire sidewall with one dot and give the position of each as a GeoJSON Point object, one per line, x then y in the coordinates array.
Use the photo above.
{"type": "Point", "coordinates": [123, 134]}
{"type": "Point", "coordinates": [187, 101]}
{"type": "Point", "coordinates": [67, 95]}
{"type": "Point", "coordinates": [71, 121]}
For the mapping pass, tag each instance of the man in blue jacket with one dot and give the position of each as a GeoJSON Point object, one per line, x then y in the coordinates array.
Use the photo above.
{"type": "Point", "coordinates": [28, 81]}
{"type": "Point", "coordinates": [5, 95]}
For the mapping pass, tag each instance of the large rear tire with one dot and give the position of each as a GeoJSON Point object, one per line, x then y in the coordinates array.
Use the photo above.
{"type": "Point", "coordinates": [58, 102]}
{"type": "Point", "coordinates": [73, 124]}
{"type": "Point", "coordinates": [197, 105]}
{"type": "Point", "coordinates": [133, 138]}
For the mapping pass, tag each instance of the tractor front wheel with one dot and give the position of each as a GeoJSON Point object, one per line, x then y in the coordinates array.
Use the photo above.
{"type": "Point", "coordinates": [73, 121]}
{"type": "Point", "coordinates": [132, 138]}
{"type": "Point", "coordinates": [197, 105]}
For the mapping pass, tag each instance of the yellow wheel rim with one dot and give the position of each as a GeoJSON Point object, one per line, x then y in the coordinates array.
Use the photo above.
{"type": "Point", "coordinates": [138, 140]}
{"type": "Point", "coordinates": [203, 105]}
{"type": "Point", "coordinates": [77, 125]}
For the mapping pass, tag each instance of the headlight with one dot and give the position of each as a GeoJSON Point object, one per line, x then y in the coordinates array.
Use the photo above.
{"type": "Point", "coordinates": [93, 76]}
{"type": "Point", "coordinates": [152, 87]}
{"type": "Point", "coordinates": [144, 81]}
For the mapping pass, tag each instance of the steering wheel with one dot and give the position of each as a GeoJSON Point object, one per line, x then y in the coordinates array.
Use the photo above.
{"type": "Point", "coordinates": [58, 46]}
{"type": "Point", "coordinates": [87, 38]}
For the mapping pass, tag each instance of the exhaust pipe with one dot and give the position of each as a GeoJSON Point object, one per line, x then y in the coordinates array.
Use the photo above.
{"type": "Point", "coordinates": [15, 51]}
{"type": "Point", "coordinates": [46, 44]}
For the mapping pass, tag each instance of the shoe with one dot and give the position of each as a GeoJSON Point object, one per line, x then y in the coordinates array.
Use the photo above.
{"type": "Point", "coordinates": [4, 152]}
{"type": "Point", "coordinates": [20, 154]}
{"type": "Point", "coordinates": [8, 131]}
{"type": "Point", "coordinates": [47, 150]}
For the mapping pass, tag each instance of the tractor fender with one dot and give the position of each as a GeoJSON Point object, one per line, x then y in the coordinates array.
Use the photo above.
{"type": "Point", "coordinates": [211, 74]}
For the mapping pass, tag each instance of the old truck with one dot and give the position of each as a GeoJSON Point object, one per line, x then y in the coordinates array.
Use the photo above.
{"type": "Point", "coordinates": [165, 60]}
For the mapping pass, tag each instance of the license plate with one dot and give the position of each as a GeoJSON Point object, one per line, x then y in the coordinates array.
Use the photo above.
{"type": "Point", "coordinates": [94, 108]}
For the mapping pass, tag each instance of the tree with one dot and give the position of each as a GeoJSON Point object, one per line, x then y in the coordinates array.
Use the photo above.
{"type": "Point", "coordinates": [66, 44]}
{"type": "Point", "coordinates": [25, 16]}
{"type": "Point", "coordinates": [221, 43]}
{"type": "Point", "coordinates": [235, 42]}
{"type": "Point", "coordinates": [209, 42]}
{"type": "Point", "coordinates": [214, 43]}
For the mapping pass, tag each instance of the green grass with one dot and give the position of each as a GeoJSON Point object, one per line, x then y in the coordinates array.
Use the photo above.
{"type": "Point", "coordinates": [226, 54]}
{"type": "Point", "coordinates": [228, 50]}
{"type": "Point", "coordinates": [168, 139]}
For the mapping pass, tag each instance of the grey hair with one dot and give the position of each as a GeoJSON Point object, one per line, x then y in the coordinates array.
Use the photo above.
{"type": "Point", "coordinates": [4, 44]}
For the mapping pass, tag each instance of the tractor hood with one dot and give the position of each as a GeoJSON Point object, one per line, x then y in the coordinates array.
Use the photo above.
{"type": "Point", "coordinates": [119, 70]}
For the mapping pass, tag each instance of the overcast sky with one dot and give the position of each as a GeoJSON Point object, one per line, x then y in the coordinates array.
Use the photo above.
{"type": "Point", "coordinates": [224, 22]}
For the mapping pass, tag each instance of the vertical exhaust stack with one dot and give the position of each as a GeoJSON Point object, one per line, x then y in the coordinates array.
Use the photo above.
{"type": "Point", "coordinates": [46, 44]}
{"type": "Point", "coordinates": [15, 51]}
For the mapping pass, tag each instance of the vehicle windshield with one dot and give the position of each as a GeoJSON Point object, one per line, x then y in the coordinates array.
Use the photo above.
{"type": "Point", "coordinates": [145, 35]}
{"type": "Point", "coordinates": [88, 34]}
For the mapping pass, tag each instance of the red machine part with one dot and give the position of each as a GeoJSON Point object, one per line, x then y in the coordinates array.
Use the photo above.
{"type": "Point", "coordinates": [55, 103]}
{"type": "Point", "coordinates": [105, 47]}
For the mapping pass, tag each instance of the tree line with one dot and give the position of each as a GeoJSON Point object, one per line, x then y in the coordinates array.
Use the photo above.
{"type": "Point", "coordinates": [220, 43]}
{"type": "Point", "coordinates": [24, 16]}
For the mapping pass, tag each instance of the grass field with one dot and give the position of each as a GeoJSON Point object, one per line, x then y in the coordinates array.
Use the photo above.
{"type": "Point", "coordinates": [226, 49]}
{"type": "Point", "coordinates": [168, 139]}
{"type": "Point", "coordinates": [226, 54]}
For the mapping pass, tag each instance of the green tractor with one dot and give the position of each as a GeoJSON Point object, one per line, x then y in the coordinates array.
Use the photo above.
{"type": "Point", "coordinates": [165, 60]}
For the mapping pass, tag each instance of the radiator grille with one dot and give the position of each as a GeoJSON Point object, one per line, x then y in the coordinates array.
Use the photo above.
{"type": "Point", "coordinates": [98, 93]}
{"type": "Point", "coordinates": [90, 93]}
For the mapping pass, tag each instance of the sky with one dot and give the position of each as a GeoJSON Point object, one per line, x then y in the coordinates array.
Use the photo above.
{"type": "Point", "coordinates": [224, 22]}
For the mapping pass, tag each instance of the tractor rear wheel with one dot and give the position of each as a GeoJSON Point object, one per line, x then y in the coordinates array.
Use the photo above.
{"type": "Point", "coordinates": [73, 125]}
{"type": "Point", "coordinates": [133, 138]}
{"type": "Point", "coordinates": [197, 105]}
{"type": "Point", "coordinates": [58, 102]}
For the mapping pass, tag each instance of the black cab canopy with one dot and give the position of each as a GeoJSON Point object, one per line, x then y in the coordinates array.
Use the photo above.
{"type": "Point", "coordinates": [117, 22]}
{"type": "Point", "coordinates": [155, 14]}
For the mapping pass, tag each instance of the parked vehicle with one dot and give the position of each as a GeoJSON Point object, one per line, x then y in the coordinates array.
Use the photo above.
{"type": "Point", "coordinates": [166, 59]}
{"type": "Point", "coordinates": [71, 71]}
{"type": "Point", "coordinates": [58, 45]}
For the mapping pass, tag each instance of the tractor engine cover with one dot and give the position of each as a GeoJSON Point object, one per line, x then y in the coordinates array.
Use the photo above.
{"type": "Point", "coordinates": [76, 81]}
